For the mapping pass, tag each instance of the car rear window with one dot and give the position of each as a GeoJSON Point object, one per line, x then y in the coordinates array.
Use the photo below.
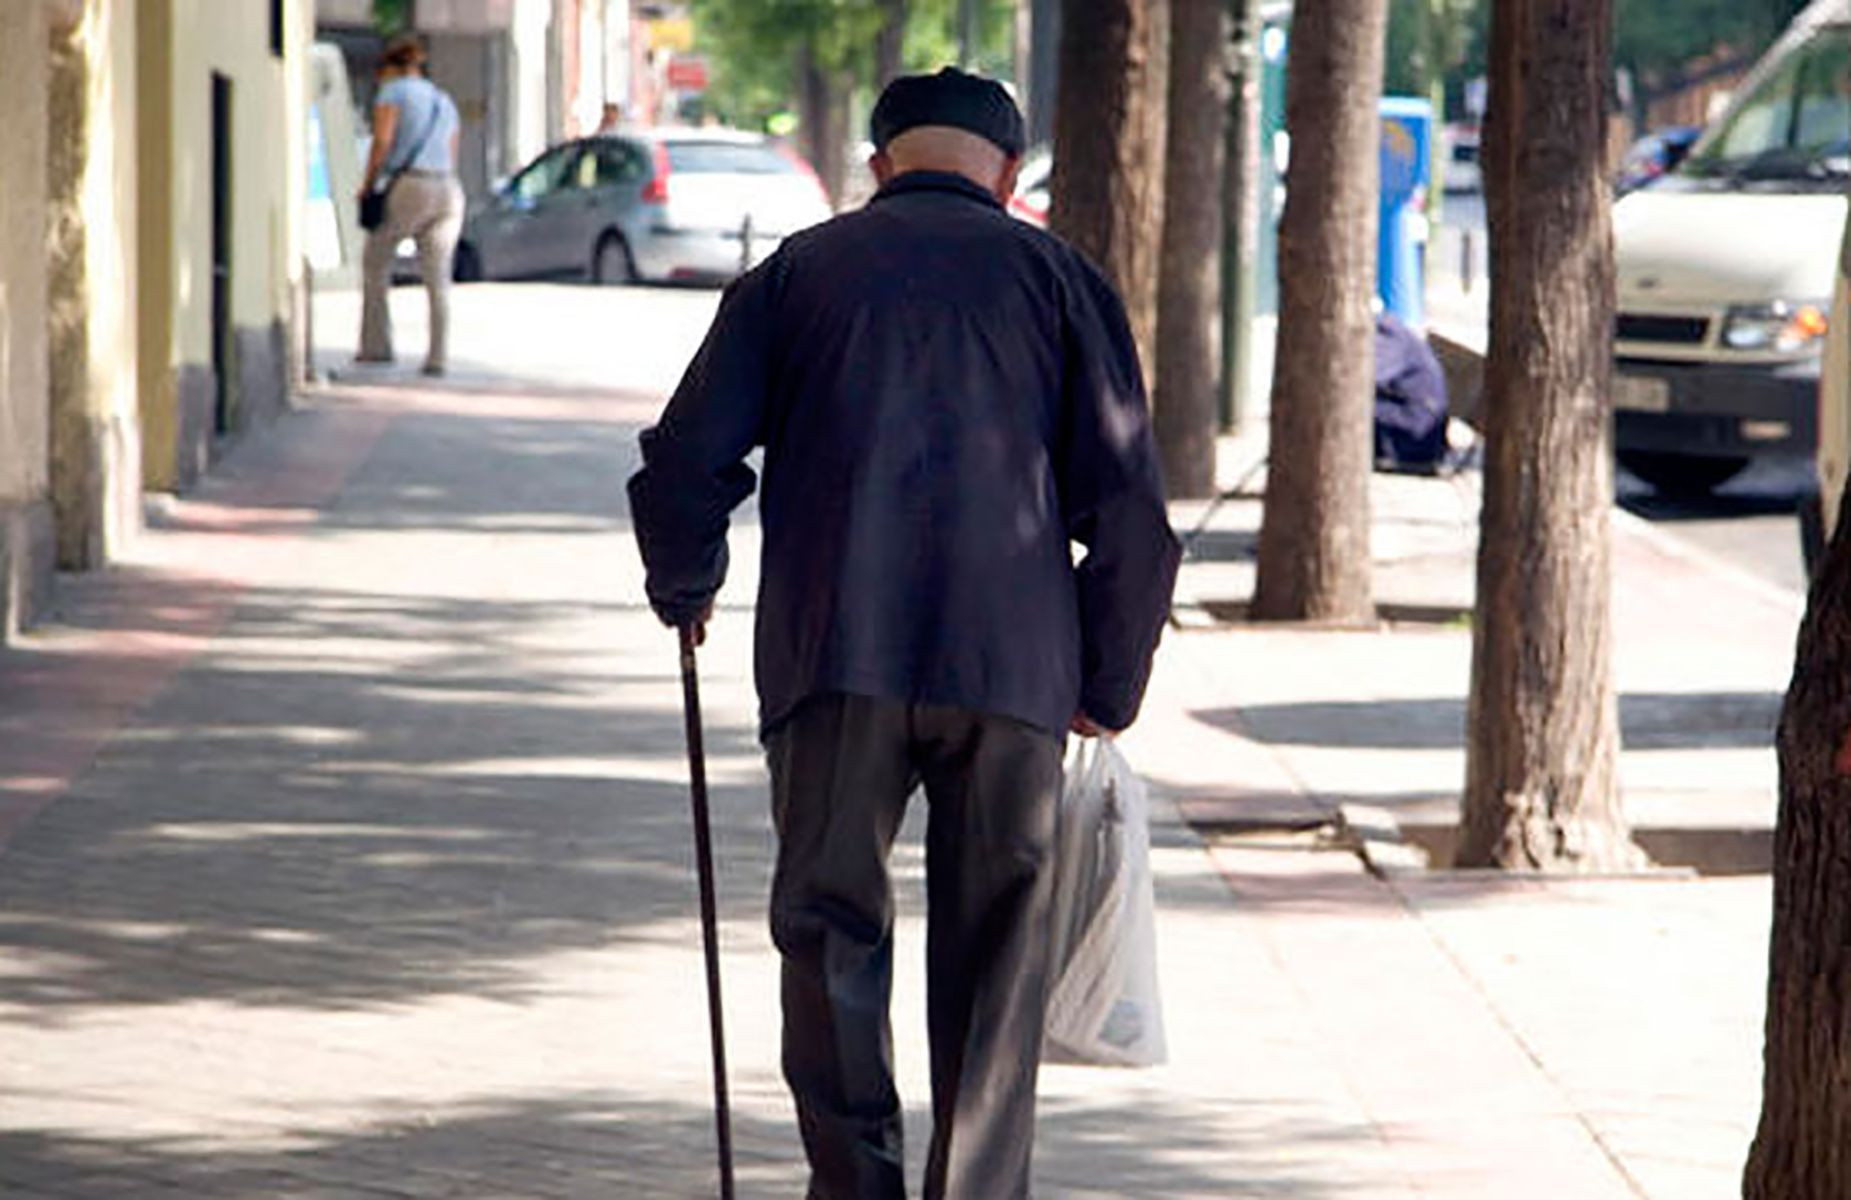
{"type": "Point", "coordinates": [730, 158]}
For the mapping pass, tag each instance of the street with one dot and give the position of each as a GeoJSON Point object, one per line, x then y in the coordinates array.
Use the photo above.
{"type": "Point", "coordinates": [1749, 522]}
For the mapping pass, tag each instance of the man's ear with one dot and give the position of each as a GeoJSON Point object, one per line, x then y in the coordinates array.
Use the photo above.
{"type": "Point", "coordinates": [1005, 183]}
{"type": "Point", "coordinates": [882, 166]}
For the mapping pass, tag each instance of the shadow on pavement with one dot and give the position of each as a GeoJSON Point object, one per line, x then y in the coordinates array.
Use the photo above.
{"type": "Point", "coordinates": [622, 1145]}
{"type": "Point", "coordinates": [389, 816]}
{"type": "Point", "coordinates": [1648, 721]}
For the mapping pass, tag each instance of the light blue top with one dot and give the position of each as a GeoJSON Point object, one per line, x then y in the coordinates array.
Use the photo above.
{"type": "Point", "coordinates": [419, 103]}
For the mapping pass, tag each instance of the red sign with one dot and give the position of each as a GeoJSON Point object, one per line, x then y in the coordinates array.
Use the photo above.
{"type": "Point", "coordinates": [687, 74]}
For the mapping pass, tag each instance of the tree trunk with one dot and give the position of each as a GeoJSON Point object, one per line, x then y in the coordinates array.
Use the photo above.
{"type": "Point", "coordinates": [1803, 1147]}
{"type": "Point", "coordinates": [1108, 147]}
{"type": "Point", "coordinates": [824, 121]}
{"type": "Point", "coordinates": [890, 43]}
{"type": "Point", "coordinates": [1314, 536]}
{"type": "Point", "coordinates": [1186, 408]}
{"type": "Point", "coordinates": [1542, 731]}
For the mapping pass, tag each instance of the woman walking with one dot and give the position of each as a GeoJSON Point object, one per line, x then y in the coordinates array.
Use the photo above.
{"type": "Point", "coordinates": [415, 131]}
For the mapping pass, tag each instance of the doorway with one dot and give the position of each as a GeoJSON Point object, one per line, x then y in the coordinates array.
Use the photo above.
{"type": "Point", "coordinates": [222, 357]}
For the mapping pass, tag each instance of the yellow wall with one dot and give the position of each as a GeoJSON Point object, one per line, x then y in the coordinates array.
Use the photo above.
{"type": "Point", "coordinates": [160, 419]}
{"type": "Point", "coordinates": [24, 416]}
{"type": "Point", "coordinates": [232, 37]}
{"type": "Point", "coordinates": [92, 235]}
{"type": "Point", "coordinates": [186, 42]}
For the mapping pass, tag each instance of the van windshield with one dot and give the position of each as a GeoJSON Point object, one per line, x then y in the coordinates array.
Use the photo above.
{"type": "Point", "coordinates": [1795, 127]}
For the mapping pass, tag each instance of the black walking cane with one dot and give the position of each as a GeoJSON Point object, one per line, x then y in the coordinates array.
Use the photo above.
{"type": "Point", "coordinates": [710, 932]}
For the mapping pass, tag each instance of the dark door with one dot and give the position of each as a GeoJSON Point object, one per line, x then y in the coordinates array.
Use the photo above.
{"type": "Point", "coordinates": [222, 364]}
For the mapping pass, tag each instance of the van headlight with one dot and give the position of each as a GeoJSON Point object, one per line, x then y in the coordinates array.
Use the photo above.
{"type": "Point", "coordinates": [1780, 326]}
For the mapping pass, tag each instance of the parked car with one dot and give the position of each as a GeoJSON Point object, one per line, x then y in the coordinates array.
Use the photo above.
{"type": "Point", "coordinates": [1461, 173]}
{"type": "Point", "coordinates": [1656, 154]}
{"type": "Point", "coordinates": [1726, 271]}
{"type": "Point", "coordinates": [1819, 511]}
{"type": "Point", "coordinates": [1034, 194]}
{"type": "Point", "coordinates": [643, 205]}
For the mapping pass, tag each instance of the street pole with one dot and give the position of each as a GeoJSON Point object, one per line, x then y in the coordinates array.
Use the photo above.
{"type": "Point", "coordinates": [1240, 254]}
{"type": "Point", "coordinates": [967, 34]}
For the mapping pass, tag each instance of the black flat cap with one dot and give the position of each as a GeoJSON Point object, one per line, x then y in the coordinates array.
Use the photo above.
{"type": "Point", "coordinates": [951, 97]}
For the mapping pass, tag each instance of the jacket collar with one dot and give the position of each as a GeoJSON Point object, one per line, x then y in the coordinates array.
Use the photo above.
{"type": "Point", "coordinates": [937, 181]}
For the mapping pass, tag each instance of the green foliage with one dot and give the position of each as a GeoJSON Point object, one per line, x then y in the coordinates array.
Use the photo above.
{"type": "Point", "coordinates": [1655, 38]}
{"type": "Point", "coordinates": [756, 46]}
{"type": "Point", "coordinates": [1426, 37]}
{"type": "Point", "coordinates": [391, 17]}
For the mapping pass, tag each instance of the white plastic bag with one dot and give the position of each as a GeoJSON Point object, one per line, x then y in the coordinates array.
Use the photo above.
{"type": "Point", "coordinates": [1103, 1008]}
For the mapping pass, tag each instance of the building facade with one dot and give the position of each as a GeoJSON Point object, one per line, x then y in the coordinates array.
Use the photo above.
{"type": "Point", "coordinates": [222, 97]}
{"type": "Point", "coordinates": [27, 530]}
{"type": "Point", "coordinates": [150, 260]}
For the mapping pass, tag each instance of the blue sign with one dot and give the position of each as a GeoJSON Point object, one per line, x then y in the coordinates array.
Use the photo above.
{"type": "Point", "coordinates": [318, 186]}
{"type": "Point", "coordinates": [1407, 168]}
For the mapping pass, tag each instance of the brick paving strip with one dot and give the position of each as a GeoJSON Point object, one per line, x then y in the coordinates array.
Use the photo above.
{"type": "Point", "coordinates": [125, 633]}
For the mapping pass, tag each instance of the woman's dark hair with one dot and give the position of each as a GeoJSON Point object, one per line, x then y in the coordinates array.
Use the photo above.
{"type": "Point", "coordinates": [405, 51]}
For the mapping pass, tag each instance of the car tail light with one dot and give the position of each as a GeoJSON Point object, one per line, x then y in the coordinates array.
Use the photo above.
{"type": "Point", "coordinates": [1028, 210]}
{"type": "Point", "coordinates": [656, 190]}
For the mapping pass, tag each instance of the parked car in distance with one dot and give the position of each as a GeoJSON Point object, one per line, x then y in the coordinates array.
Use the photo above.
{"type": "Point", "coordinates": [1726, 272]}
{"type": "Point", "coordinates": [1034, 195]}
{"type": "Point", "coordinates": [1461, 173]}
{"type": "Point", "coordinates": [1819, 511]}
{"type": "Point", "coordinates": [1656, 154]}
{"type": "Point", "coordinates": [643, 205]}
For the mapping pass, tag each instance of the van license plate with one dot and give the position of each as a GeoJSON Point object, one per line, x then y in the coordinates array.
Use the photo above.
{"type": "Point", "coordinates": [1638, 393]}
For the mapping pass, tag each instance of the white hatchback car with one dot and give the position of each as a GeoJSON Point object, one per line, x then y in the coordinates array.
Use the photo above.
{"type": "Point", "coordinates": [643, 205]}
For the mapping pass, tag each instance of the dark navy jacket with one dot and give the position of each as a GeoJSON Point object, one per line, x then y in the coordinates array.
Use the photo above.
{"type": "Point", "coordinates": [947, 399]}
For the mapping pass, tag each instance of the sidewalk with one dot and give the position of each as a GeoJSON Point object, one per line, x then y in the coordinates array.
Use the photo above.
{"type": "Point", "coordinates": [343, 853]}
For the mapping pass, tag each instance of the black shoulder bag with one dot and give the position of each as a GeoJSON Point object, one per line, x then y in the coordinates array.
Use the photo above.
{"type": "Point", "coordinates": [373, 203]}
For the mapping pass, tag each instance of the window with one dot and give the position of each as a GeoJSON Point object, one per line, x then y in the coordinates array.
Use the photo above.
{"type": "Point", "coordinates": [618, 163]}
{"type": "Point", "coordinates": [727, 158]}
{"type": "Point", "coordinates": [1798, 115]}
{"type": "Point", "coordinates": [545, 175]}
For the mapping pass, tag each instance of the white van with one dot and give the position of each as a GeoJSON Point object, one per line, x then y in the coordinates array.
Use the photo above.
{"type": "Point", "coordinates": [1819, 513]}
{"type": "Point", "coordinates": [1726, 271]}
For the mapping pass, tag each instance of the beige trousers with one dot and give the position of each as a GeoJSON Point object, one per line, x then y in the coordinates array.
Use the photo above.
{"type": "Point", "coordinates": [428, 209]}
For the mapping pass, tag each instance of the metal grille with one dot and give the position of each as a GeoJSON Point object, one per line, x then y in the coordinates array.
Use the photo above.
{"type": "Point", "coordinates": [1677, 331]}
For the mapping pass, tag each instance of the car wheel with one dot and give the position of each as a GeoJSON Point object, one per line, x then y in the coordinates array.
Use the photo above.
{"type": "Point", "coordinates": [1681, 474]}
{"type": "Point", "coordinates": [468, 265]}
{"type": "Point", "coordinates": [611, 262]}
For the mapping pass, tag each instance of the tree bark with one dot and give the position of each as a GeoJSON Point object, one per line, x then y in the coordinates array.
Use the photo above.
{"type": "Point", "coordinates": [890, 43]}
{"type": "Point", "coordinates": [824, 121]}
{"type": "Point", "coordinates": [1542, 731]}
{"type": "Point", "coordinates": [1314, 536]}
{"type": "Point", "coordinates": [1186, 408]}
{"type": "Point", "coordinates": [1109, 147]}
{"type": "Point", "coordinates": [1803, 1146]}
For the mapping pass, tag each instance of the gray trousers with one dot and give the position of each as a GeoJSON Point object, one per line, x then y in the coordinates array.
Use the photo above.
{"type": "Point", "coordinates": [429, 210]}
{"type": "Point", "coordinates": [842, 769]}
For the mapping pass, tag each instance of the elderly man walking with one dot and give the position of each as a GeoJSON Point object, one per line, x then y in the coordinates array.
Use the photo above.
{"type": "Point", "coordinates": [947, 399]}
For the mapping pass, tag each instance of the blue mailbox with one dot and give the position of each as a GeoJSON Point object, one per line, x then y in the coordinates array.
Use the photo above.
{"type": "Point", "coordinates": [1407, 167]}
